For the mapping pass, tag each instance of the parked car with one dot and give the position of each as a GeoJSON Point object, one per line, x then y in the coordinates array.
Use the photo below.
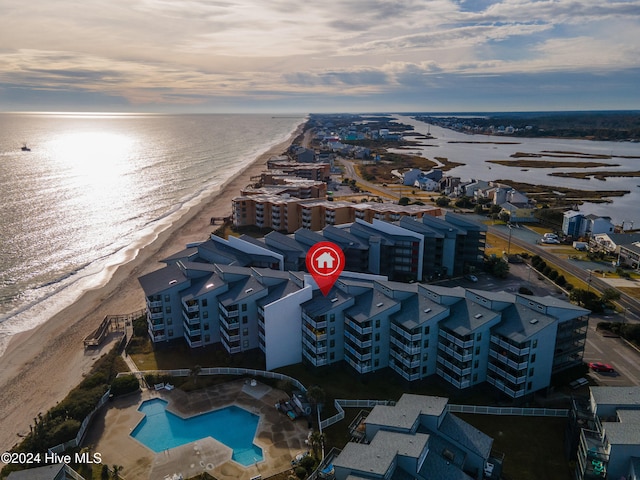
{"type": "Point", "coordinates": [601, 367]}
{"type": "Point", "coordinates": [471, 278]}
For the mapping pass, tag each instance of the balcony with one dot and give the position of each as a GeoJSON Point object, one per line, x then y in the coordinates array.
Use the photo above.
{"type": "Point", "coordinates": [411, 377]}
{"type": "Point", "coordinates": [405, 347]}
{"type": "Point", "coordinates": [156, 326]}
{"type": "Point", "coordinates": [459, 342]}
{"type": "Point", "coordinates": [313, 322]}
{"type": "Point", "coordinates": [357, 341]}
{"type": "Point", "coordinates": [361, 357]}
{"type": "Point", "coordinates": [229, 338]}
{"type": "Point", "coordinates": [467, 357]}
{"type": "Point", "coordinates": [416, 337]}
{"type": "Point", "coordinates": [191, 306]}
{"type": "Point", "coordinates": [154, 304]}
{"type": "Point", "coordinates": [193, 343]}
{"type": "Point", "coordinates": [406, 360]}
{"type": "Point", "coordinates": [192, 332]}
{"type": "Point", "coordinates": [191, 319]}
{"type": "Point", "coordinates": [507, 376]}
{"type": "Point", "coordinates": [458, 383]}
{"type": "Point", "coordinates": [507, 361]}
{"type": "Point", "coordinates": [228, 313]}
{"type": "Point", "coordinates": [229, 325]}
{"type": "Point", "coordinates": [157, 337]}
{"type": "Point", "coordinates": [453, 367]}
{"type": "Point", "coordinates": [155, 315]}
{"type": "Point", "coordinates": [360, 368]}
{"type": "Point", "coordinates": [317, 361]}
{"type": "Point", "coordinates": [499, 384]}
{"type": "Point", "coordinates": [360, 330]}
{"type": "Point", "coordinates": [511, 348]}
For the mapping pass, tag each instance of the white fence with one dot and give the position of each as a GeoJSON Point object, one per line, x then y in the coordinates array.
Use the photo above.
{"type": "Point", "coordinates": [341, 404]}
{"type": "Point", "coordinates": [523, 412]}
{"type": "Point", "coordinates": [83, 427]}
{"type": "Point", "coordinates": [185, 372]}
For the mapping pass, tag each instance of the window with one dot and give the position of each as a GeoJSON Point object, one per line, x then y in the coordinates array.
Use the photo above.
{"type": "Point", "coordinates": [244, 307]}
{"type": "Point", "coordinates": [169, 321]}
{"type": "Point", "coordinates": [378, 323]}
{"type": "Point", "coordinates": [477, 351]}
{"type": "Point", "coordinates": [475, 377]}
{"type": "Point", "coordinates": [332, 356]}
{"type": "Point", "coordinates": [245, 344]}
{"type": "Point", "coordinates": [167, 298]}
{"type": "Point", "coordinates": [376, 362]}
{"type": "Point", "coordinates": [168, 309]}
{"type": "Point", "coordinates": [479, 337]}
{"type": "Point", "coordinates": [207, 338]}
{"type": "Point", "coordinates": [426, 330]}
{"type": "Point", "coordinates": [535, 343]}
{"type": "Point", "coordinates": [377, 337]}
{"type": "Point", "coordinates": [206, 326]}
{"type": "Point", "coordinates": [424, 370]}
{"type": "Point", "coordinates": [205, 314]}
{"type": "Point", "coordinates": [332, 330]}
{"type": "Point", "coordinates": [531, 372]}
{"type": "Point", "coordinates": [425, 357]}
{"type": "Point", "coordinates": [533, 358]}
{"type": "Point", "coordinates": [425, 344]}
{"type": "Point", "coordinates": [204, 302]}
{"type": "Point", "coordinates": [332, 317]}
{"type": "Point", "coordinates": [332, 343]}
{"type": "Point", "coordinates": [245, 332]}
{"type": "Point", "coordinates": [245, 319]}
{"type": "Point", "coordinates": [171, 332]}
{"type": "Point", "coordinates": [376, 350]}
{"type": "Point", "coordinates": [529, 386]}
{"type": "Point", "coordinates": [475, 364]}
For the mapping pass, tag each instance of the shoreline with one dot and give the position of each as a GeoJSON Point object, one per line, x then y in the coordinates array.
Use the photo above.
{"type": "Point", "coordinates": [40, 366]}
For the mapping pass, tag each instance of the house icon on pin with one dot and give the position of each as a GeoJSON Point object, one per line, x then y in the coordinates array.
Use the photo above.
{"type": "Point", "coordinates": [325, 261]}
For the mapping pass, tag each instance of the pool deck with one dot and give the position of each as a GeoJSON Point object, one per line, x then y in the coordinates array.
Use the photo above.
{"type": "Point", "coordinates": [280, 438]}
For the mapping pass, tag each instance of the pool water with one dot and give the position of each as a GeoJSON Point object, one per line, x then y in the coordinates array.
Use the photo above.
{"type": "Point", "coordinates": [160, 430]}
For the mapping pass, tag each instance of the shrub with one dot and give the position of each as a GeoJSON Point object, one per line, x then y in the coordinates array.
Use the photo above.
{"type": "Point", "coordinates": [124, 384]}
{"type": "Point", "coordinates": [553, 275]}
{"type": "Point", "coordinates": [525, 291]}
{"type": "Point", "coordinates": [301, 472]}
{"type": "Point", "coordinates": [561, 280]}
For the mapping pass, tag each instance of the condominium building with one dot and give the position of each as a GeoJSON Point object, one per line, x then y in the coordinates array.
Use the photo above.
{"type": "Point", "coordinates": [467, 337]}
{"type": "Point", "coordinates": [415, 438]}
{"type": "Point", "coordinates": [605, 429]}
{"type": "Point", "coordinates": [299, 209]}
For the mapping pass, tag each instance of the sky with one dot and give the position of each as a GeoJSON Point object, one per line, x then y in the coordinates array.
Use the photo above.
{"type": "Point", "coordinates": [297, 56]}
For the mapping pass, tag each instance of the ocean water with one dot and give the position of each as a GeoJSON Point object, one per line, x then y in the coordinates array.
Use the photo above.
{"type": "Point", "coordinates": [95, 188]}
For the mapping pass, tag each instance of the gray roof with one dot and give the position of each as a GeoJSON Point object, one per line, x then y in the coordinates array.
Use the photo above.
{"type": "Point", "coordinates": [520, 323]}
{"type": "Point", "coordinates": [49, 472]}
{"type": "Point", "coordinates": [321, 304]}
{"type": "Point", "coordinates": [240, 290]}
{"type": "Point", "coordinates": [370, 304]}
{"type": "Point", "coordinates": [550, 301]}
{"type": "Point", "coordinates": [276, 292]}
{"type": "Point", "coordinates": [417, 310]}
{"type": "Point", "coordinates": [437, 467]}
{"type": "Point", "coordinates": [466, 317]}
{"type": "Point", "coordinates": [343, 238]}
{"type": "Point", "coordinates": [624, 432]}
{"type": "Point", "coordinates": [419, 227]}
{"type": "Point", "coordinates": [620, 396]}
{"type": "Point", "coordinates": [406, 411]}
{"type": "Point", "coordinates": [377, 457]}
{"type": "Point", "coordinates": [464, 434]}
{"type": "Point", "coordinates": [157, 282]}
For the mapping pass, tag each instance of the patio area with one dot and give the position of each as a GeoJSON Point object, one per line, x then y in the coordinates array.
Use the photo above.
{"type": "Point", "coordinates": [280, 438]}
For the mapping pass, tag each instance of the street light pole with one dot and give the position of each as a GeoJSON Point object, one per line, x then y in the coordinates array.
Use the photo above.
{"type": "Point", "coordinates": [509, 242]}
{"type": "Point", "coordinates": [589, 281]}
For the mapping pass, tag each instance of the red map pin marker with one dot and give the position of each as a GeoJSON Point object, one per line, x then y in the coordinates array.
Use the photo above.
{"type": "Point", "coordinates": [325, 261]}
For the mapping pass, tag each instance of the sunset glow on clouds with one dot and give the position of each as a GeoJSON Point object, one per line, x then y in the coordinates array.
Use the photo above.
{"type": "Point", "coordinates": [286, 55]}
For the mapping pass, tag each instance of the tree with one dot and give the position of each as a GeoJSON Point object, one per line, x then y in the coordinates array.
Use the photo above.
{"type": "Point", "coordinates": [442, 201]}
{"type": "Point", "coordinates": [496, 267]}
{"type": "Point", "coordinates": [116, 472]}
{"type": "Point", "coordinates": [609, 295]}
{"type": "Point", "coordinates": [194, 372]}
{"type": "Point", "coordinates": [104, 473]}
{"type": "Point", "coordinates": [403, 201]}
{"type": "Point", "coordinates": [316, 440]}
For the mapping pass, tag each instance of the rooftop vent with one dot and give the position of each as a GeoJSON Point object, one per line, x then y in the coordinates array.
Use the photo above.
{"type": "Point", "coordinates": [380, 304]}
{"type": "Point", "coordinates": [248, 290]}
{"type": "Point", "coordinates": [173, 282]}
{"type": "Point", "coordinates": [427, 310]}
{"type": "Point", "coordinates": [478, 315]}
{"type": "Point", "coordinates": [533, 321]}
{"type": "Point", "coordinates": [209, 285]}
{"type": "Point", "coordinates": [334, 299]}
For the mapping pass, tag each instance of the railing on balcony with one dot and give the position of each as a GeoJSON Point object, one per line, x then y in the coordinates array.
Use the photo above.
{"type": "Point", "coordinates": [316, 360]}
{"type": "Point", "coordinates": [415, 337]}
{"type": "Point", "coordinates": [406, 375]}
{"type": "Point", "coordinates": [229, 338]}
{"type": "Point", "coordinates": [360, 343]}
{"type": "Point", "coordinates": [507, 376]}
{"type": "Point", "coordinates": [508, 346]}
{"type": "Point", "coordinates": [360, 330]}
{"type": "Point", "coordinates": [467, 357]}
{"type": "Point", "coordinates": [191, 306]}
{"type": "Point", "coordinates": [359, 367]}
{"type": "Point", "coordinates": [154, 304]}
{"type": "Point", "coordinates": [456, 340]}
{"type": "Point", "coordinates": [500, 385]}
{"type": "Point", "coordinates": [460, 371]}
{"type": "Point", "coordinates": [362, 357]}
{"type": "Point", "coordinates": [228, 325]}
{"type": "Point", "coordinates": [406, 360]}
{"type": "Point", "coordinates": [228, 313]}
{"type": "Point", "coordinates": [459, 383]}
{"type": "Point", "coordinates": [405, 347]}
{"type": "Point", "coordinates": [507, 361]}
{"type": "Point", "coordinates": [191, 319]}
{"type": "Point", "coordinates": [313, 322]}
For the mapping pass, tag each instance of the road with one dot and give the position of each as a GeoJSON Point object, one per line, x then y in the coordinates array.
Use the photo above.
{"type": "Point", "coordinates": [523, 238]}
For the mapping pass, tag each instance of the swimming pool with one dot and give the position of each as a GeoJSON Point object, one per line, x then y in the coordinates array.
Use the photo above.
{"type": "Point", "coordinates": [160, 430]}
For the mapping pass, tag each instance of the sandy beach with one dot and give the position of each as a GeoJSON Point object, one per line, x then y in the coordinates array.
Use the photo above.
{"type": "Point", "coordinates": [42, 365]}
